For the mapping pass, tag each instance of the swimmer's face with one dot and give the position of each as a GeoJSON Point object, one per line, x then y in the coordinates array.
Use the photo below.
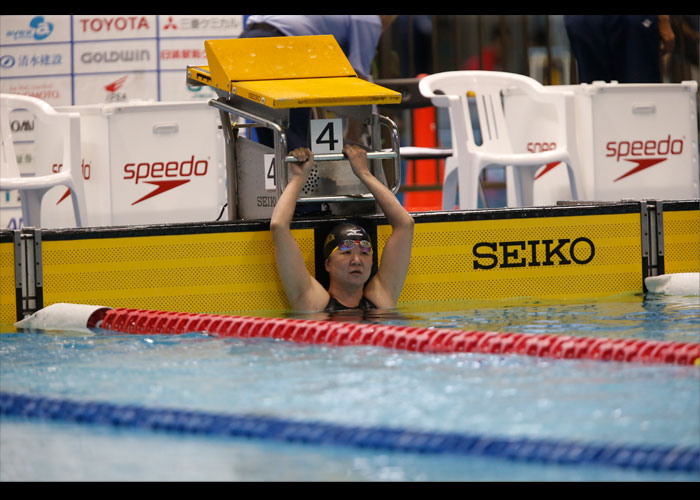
{"type": "Point", "coordinates": [352, 266]}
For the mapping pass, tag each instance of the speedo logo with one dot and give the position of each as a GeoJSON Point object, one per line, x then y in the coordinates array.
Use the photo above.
{"type": "Point", "coordinates": [164, 175]}
{"type": "Point", "coordinates": [561, 252]}
{"type": "Point", "coordinates": [643, 154]}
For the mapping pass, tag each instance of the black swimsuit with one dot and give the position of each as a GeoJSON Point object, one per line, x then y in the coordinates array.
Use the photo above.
{"type": "Point", "coordinates": [364, 305]}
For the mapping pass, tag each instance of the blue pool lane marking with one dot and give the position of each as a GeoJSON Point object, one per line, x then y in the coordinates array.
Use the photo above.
{"type": "Point", "coordinates": [543, 451]}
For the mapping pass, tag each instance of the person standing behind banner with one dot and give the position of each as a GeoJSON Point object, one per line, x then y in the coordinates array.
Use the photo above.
{"type": "Point", "coordinates": [357, 36]}
{"type": "Point", "coordinates": [626, 49]}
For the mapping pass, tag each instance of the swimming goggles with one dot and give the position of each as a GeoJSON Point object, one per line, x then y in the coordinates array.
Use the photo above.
{"type": "Point", "coordinates": [345, 245]}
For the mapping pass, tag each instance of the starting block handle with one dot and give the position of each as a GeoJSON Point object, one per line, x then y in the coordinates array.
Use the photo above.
{"type": "Point", "coordinates": [371, 155]}
{"type": "Point", "coordinates": [393, 153]}
{"type": "Point", "coordinates": [395, 148]}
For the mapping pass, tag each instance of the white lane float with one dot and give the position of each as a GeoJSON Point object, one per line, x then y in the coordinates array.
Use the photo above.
{"type": "Point", "coordinates": [65, 317]}
{"type": "Point", "coordinates": [674, 284]}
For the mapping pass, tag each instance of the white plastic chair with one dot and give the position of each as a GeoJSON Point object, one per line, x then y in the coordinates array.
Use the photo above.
{"type": "Point", "coordinates": [451, 90]}
{"type": "Point", "coordinates": [32, 189]}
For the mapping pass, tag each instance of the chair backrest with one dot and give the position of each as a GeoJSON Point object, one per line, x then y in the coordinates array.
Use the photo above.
{"type": "Point", "coordinates": [57, 142]}
{"type": "Point", "coordinates": [57, 133]}
{"type": "Point", "coordinates": [485, 89]}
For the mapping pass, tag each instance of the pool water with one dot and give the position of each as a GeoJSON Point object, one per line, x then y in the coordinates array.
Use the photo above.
{"type": "Point", "coordinates": [485, 394]}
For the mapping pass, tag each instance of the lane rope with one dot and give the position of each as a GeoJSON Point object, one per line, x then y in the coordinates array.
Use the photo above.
{"type": "Point", "coordinates": [683, 459]}
{"type": "Point", "coordinates": [431, 340]}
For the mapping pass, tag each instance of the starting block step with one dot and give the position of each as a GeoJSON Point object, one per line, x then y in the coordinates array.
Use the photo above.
{"type": "Point", "coordinates": [287, 72]}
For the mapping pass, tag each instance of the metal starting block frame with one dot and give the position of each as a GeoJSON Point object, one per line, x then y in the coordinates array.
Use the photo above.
{"type": "Point", "coordinates": [261, 80]}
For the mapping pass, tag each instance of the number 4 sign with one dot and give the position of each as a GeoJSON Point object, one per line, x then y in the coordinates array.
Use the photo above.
{"type": "Point", "coordinates": [327, 136]}
{"type": "Point", "coordinates": [270, 179]}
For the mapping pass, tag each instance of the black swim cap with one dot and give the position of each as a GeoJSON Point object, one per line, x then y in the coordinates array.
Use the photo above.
{"type": "Point", "coordinates": [343, 231]}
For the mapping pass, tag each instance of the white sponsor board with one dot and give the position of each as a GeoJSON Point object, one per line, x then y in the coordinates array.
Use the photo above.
{"type": "Point", "coordinates": [23, 30]}
{"type": "Point", "coordinates": [633, 140]}
{"type": "Point", "coordinates": [62, 58]}
{"type": "Point", "coordinates": [115, 87]}
{"type": "Point", "coordinates": [114, 69]}
{"type": "Point", "coordinates": [35, 60]}
{"type": "Point", "coordinates": [205, 26]}
{"type": "Point", "coordinates": [56, 91]}
{"type": "Point", "coordinates": [147, 163]}
{"type": "Point", "coordinates": [115, 56]}
{"type": "Point", "coordinates": [110, 27]}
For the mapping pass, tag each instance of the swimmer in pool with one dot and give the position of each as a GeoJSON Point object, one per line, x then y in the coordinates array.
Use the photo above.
{"type": "Point", "coordinates": [348, 249]}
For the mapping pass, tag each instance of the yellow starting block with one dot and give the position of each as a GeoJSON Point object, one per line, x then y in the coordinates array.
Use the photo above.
{"type": "Point", "coordinates": [260, 80]}
{"type": "Point", "coordinates": [288, 72]}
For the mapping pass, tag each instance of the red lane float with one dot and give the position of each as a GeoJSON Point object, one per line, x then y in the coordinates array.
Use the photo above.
{"type": "Point", "coordinates": [433, 340]}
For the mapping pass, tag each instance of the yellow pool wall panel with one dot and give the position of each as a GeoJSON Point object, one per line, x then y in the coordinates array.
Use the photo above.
{"type": "Point", "coordinates": [8, 291]}
{"type": "Point", "coordinates": [529, 257]}
{"type": "Point", "coordinates": [204, 273]}
{"type": "Point", "coordinates": [451, 261]}
{"type": "Point", "coordinates": [681, 241]}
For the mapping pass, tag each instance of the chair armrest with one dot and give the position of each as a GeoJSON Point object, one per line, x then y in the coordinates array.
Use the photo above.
{"type": "Point", "coordinates": [36, 182]}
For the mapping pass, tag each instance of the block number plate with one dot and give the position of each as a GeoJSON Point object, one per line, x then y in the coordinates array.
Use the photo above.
{"type": "Point", "coordinates": [269, 172]}
{"type": "Point", "coordinates": [327, 136]}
